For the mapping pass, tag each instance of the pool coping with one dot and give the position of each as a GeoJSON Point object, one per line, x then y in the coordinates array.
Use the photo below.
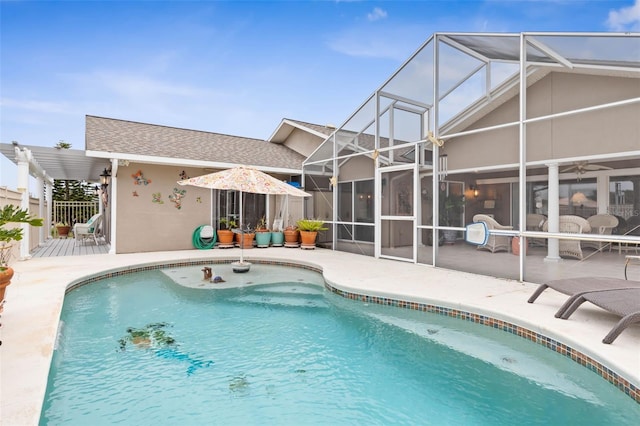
{"type": "Point", "coordinates": [41, 286]}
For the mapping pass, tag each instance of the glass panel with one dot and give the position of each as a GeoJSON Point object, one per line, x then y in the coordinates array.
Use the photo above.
{"type": "Point", "coordinates": [624, 196]}
{"type": "Point", "coordinates": [415, 80]}
{"type": "Point", "coordinates": [397, 194]}
{"type": "Point", "coordinates": [349, 138]}
{"type": "Point", "coordinates": [345, 202]}
{"type": "Point", "coordinates": [364, 233]}
{"type": "Point", "coordinates": [578, 198]}
{"type": "Point", "coordinates": [397, 238]}
{"type": "Point", "coordinates": [323, 152]}
{"type": "Point", "coordinates": [601, 50]}
{"type": "Point", "coordinates": [364, 201]}
{"type": "Point", "coordinates": [345, 232]}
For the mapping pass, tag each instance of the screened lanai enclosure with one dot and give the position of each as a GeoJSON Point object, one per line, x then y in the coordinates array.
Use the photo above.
{"type": "Point", "coordinates": [535, 134]}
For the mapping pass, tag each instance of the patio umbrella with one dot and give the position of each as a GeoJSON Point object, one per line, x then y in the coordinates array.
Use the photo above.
{"type": "Point", "coordinates": [244, 179]}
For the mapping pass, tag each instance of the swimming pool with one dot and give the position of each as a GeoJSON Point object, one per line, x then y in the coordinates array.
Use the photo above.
{"type": "Point", "coordinates": [292, 352]}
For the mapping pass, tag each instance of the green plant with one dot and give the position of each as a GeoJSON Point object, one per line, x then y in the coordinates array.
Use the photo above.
{"type": "Point", "coordinates": [262, 225]}
{"type": "Point", "coordinates": [12, 214]}
{"type": "Point", "coordinates": [451, 208]}
{"type": "Point", "coordinates": [226, 223]}
{"type": "Point", "coordinates": [311, 225]}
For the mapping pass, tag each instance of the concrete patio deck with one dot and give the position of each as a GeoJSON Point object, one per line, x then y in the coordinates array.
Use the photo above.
{"type": "Point", "coordinates": [35, 297]}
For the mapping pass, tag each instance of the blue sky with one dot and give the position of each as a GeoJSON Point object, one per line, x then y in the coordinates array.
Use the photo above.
{"type": "Point", "coordinates": [232, 67]}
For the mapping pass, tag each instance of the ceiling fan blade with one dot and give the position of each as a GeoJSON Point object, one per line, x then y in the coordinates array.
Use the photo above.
{"type": "Point", "coordinates": [596, 167]}
{"type": "Point", "coordinates": [569, 169]}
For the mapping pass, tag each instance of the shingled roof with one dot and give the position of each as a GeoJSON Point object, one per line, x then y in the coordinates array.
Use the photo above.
{"type": "Point", "coordinates": [140, 139]}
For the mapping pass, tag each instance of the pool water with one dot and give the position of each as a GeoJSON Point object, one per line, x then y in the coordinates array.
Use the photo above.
{"type": "Point", "coordinates": [141, 349]}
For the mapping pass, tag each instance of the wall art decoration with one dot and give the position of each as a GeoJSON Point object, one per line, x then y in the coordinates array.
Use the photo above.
{"type": "Point", "coordinates": [176, 197]}
{"type": "Point", "coordinates": [157, 198]}
{"type": "Point", "coordinates": [135, 193]}
{"type": "Point", "coordinates": [183, 175]}
{"type": "Point", "coordinates": [199, 200]}
{"type": "Point", "coordinates": [139, 179]}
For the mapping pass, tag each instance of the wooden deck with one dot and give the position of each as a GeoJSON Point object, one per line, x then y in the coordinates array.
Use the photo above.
{"type": "Point", "coordinates": [69, 247]}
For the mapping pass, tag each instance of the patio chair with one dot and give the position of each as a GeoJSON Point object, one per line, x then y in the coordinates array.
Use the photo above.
{"type": "Point", "coordinates": [633, 228]}
{"type": "Point", "coordinates": [601, 224]}
{"type": "Point", "coordinates": [622, 302]}
{"type": "Point", "coordinates": [535, 222]}
{"type": "Point", "coordinates": [576, 287]}
{"type": "Point", "coordinates": [572, 225]}
{"type": "Point", "coordinates": [494, 242]}
{"type": "Point", "coordinates": [89, 230]}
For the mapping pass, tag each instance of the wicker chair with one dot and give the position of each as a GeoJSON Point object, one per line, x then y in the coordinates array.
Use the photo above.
{"type": "Point", "coordinates": [89, 230]}
{"type": "Point", "coordinates": [495, 242]}
{"type": "Point", "coordinates": [602, 224]}
{"type": "Point", "coordinates": [534, 223]}
{"type": "Point", "coordinates": [571, 225]}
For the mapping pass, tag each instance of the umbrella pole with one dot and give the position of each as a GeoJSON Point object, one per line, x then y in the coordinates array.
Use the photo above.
{"type": "Point", "coordinates": [241, 233]}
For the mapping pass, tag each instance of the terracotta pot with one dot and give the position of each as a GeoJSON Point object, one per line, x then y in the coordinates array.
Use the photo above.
{"type": "Point", "coordinates": [291, 235]}
{"type": "Point", "coordinates": [308, 238]}
{"type": "Point", "coordinates": [5, 280]}
{"type": "Point", "coordinates": [515, 246]}
{"type": "Point", "coordinates": [63, 231]}
{"type": "Point", "coordinates": [248, 240]}
{"type": "Point", "coordinates": [225, 236]}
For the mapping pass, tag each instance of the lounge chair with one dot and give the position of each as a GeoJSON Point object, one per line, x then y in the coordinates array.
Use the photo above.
{"type": "Point", "coordinates": [494, 242]}
{"type": "Point", "coordinates": [601, 224]}
{"type": "Point", "coordinates": [576, 287]}
{"type": "Point", "coordinates": [89, 230]}
{"type": "Point", "coordinates": [572, 225]}
{"type": "Point", "coordinates": [623, 302]}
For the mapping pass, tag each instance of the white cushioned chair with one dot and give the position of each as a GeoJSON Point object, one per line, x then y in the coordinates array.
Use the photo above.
{"type": "Point", "coordinates": [602, 224]}
{"type": "Point", "coordinates": [572, 225]}
{"type": "Point", "coordinates": [89, 230]}
{"type": "Point", "coordinates": [495, 242]}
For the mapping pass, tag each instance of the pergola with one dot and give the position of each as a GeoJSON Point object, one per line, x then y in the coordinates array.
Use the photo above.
{"type": "Point", "coordinates": [45, 164]}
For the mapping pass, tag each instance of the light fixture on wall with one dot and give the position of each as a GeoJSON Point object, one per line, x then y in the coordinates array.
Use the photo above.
{"type": "Point", "coordinates": [474, 190]}
{"type": "Point", "coordinates": [105, 179]}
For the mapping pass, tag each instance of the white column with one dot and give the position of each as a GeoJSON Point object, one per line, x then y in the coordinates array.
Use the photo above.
{"type": "Point", "coordinates": [40, 191]}
{"type": "Point", "coordinates": [47, 224]}
{"type": "Point", "coordinates": [23, 187]}
{"type": "Point", "coordinates": [602, 191]}
{"type": "Point", "coordinates": [112, 190]}
{"type": "Point", "coordinates": [553, 219]}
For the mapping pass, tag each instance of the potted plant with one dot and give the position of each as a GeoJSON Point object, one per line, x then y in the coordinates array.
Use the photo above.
{"type": "Point", "coordinates": [263, 235]}
{"type": "Point", "coordinates": [309, 229]}
{"type": "Point", "coordinates": [11, 214]}
{"type": "Point", "coordinates": [63, 229]}
{"type": "Point", "coordinates": [451, 207]}
{"type": "Point", "coordinates": [225, 233]}
{"type": "Point", "coordinates": [245, 236]}
{"type": "Point", "coordinates": [291, 235]}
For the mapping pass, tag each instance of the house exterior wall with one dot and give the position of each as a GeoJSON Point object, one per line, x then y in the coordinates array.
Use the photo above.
{"type": "Point", "coordinates": [303, 142]}
{"type": "Point", "coordinates": [145, 225]}
{"type": "Point", "coordinates": [598, 132]}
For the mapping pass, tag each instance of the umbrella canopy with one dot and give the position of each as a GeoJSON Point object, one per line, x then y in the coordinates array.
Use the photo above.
{"type": "Point", "coordinates": [244, 179]}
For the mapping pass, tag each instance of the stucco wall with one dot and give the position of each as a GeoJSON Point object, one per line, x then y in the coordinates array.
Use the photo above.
{"type": "Point", "coordinates": [144, 225]}
{"type": "Point", "coordinates": [598, 132]}
{"type": "Point", "coordinates": [303, 142]}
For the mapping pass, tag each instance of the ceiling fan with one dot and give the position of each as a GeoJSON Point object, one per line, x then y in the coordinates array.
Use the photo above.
{"type": "Point", "coordinates": [581, 167]}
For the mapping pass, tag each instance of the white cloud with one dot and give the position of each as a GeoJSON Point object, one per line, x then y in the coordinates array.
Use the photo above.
{"type": "Point", "coordinates": [394, 43]}
{"type": "Point", "coordinates": [625, 18]}
{"type": "Point", "coordinates": [376, 14]}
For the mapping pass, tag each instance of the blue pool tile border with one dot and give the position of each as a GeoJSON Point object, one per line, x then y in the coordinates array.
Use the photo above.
{"type": "Point", "coordinates": [609, 375]}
